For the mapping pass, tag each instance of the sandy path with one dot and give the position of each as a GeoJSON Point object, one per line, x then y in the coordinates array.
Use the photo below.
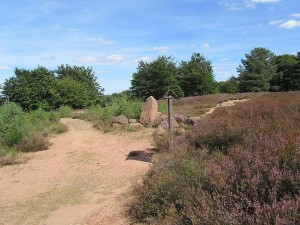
{"type": "Point", "coordinates": [84, 178]}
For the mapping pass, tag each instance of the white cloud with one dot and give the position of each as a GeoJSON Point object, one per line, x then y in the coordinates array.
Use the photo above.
{"type": "Point", "coordinates": [233, 6]}
{"type": "Point", "coordinates": [5, 68]}
{"type": "Point", "coordinates": [115, 58]}
{"type": "Point", "coordinates": [275, 22]}
{"type": "Point", "coordinates": [265, 1]}
{"type": "Point", "coordinates": [206, 45]}
{"type": "Point", "coordinates": [88, 59]}
{"type": "Point", "coordinates": [290, 24]}
{"type": "Point", "coordinates": [161, 49]}
{"type": "Point", "coordinates": [225, 59]}
{"type": "Point", "coordinates": [104, 41]}
{"type": "Point", "coordinates": [145, 59]}
{"type": "Point", "coordinates": [296, 15]}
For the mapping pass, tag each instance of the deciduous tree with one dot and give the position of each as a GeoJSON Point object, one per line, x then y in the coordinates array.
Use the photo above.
{"type": "Point", "coordinates": [196, 76]}
{"type": "Point", "coordinates": [229, 86]}
{"type": "Point", "coordinates": [32, 89]}
{"type": "Point", "coordinates": [86, 77]}
{"type": "Point", "coordinates": [156, 78]}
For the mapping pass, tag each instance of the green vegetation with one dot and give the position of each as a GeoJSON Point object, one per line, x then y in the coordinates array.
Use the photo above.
{"type": "Point", "coordinates": [156, 78]}
{"type": "Point", "coordinates": [230, 86]}
{"type": "Point", "coordinates": [240, 165]}
{"type": "Point", "coordinates": [257, 70]}
{"type": "Point", "coordinates": [261, 71]}
{"type": "Point", "coordinates": [102, 116]}
{"type": "Point", "coordinates": [65, 111]}
{"type": "Point", "coordinates": [75, 87]}
{"type": "Point", "coordinates": [22, 131]}
{"type": "Point", "coordinates": [196, 76]}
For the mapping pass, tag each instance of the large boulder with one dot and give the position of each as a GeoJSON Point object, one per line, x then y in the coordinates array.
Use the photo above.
{"type": "Point", "coordinates": [150, 114]}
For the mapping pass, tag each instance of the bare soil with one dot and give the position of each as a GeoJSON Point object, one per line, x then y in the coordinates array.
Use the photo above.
{"type": "Point", "coordinates": [226, 104]}
{"type": "Point", "coordinates": [85, 177]}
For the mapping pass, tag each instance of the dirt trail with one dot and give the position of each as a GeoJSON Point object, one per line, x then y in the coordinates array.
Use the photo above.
{"type": "Point", "coordinates": [84, 178]}
{"type": "Point", "coordinates": [223, 104]}
{"type": "Point", "coordinates": [226, 104]}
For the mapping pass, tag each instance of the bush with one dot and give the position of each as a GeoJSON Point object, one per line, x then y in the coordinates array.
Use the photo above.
{"type": "Point", "coordinates": [58, 128]}
{"type": "Point", "coordinates": [127, 107]}
{"type": "Point", "coordinates": [102, 117]}
{"type": "Point", "coordinates": [13, 124]}
{"type": "Point", "coordinates": [34, 142]}
{"type": "Point", "coordinates": [241, 166]}
{"type": "Point", "coordinates": [65, 111]}
{"type": "Point", "coordinates": [8, 157]}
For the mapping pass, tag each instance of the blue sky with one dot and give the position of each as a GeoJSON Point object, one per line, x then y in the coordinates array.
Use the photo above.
{"type": "Point", "coordinates": [112, 36]}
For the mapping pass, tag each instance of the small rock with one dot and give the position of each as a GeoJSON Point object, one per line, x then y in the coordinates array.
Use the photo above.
{"type": "Point", "coordinates": [160, 130]}
{"type": "Point", "coordinates": [193, 121]}
{"type": "Point", "coordinates": [136, 125]}
{"type": "Point", "coordinates": [132, 121]}
{"type": "Point", "coordinates": [117, 125]}
{"type": "Point", "coordinates": [121, 119]}
{"type": "Point", "coordinates": [165, 124]}
{"type": "Point", "coordinates": [180, 118]}
{"type": "Point", "coordinates": [179, 131]}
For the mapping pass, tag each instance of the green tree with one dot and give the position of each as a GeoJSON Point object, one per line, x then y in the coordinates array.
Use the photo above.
{"type": "Point", "coordinates": [285, 67]}
{"type": "Point", "coordinates": [257, 70]}
{"type": "Point", "coordinates": [155, 78]}
{"type": "Point", "coordinates": [229, 86]}
{"type": "Point", "coordinates": [196, 76]}
{"type": "Point", "coordinates": [32, 89]}
{"type": "Point", "coordinates": [84, 76]}
{"type": "Point", "coordinates": [73, 93]}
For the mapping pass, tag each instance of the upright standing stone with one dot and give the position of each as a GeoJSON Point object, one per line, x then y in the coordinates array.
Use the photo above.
{"type": "Point", "coordinates": [150, 113]}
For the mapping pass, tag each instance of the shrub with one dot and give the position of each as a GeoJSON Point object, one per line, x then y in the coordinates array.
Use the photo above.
{"type": "Point", "coordinates": [102, 117]}
{"type": "Point", "coordinates": [13, 124]}
{"type": "Point", "coordinates": [129, 107]}
{"type": "Point", "coordinates": [58, 128]}
{"type": "Point", "coordinates": [34, 142]}
{"type": "Point", "coordinates": [163, 107]}
{"type": "Point", "coordinates": [53, 117]}
{"type": "Point", "coordinates": [8, 157]}
{"type": "Point", "coordinates": [65, 111]}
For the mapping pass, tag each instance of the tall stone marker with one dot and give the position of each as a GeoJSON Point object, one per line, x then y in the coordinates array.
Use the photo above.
{"type": "Point", "coordinates": [150, 112]}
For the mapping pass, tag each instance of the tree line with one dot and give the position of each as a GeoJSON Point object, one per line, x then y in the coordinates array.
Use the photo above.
{"type": "Point", "coordinates": [76, 86]}
{"type": "Point", "coordinates": [72, 86]}
{"type": "Point", "coordinates": [261, 70]}
{"type": "Point", "coordinates": [193, 77]}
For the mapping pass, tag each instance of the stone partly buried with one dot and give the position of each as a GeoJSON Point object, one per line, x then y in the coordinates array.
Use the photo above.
{"type": "Point", "coordinates": [122, 120]}
{"type": "Point", "coordinates": [150, 117]}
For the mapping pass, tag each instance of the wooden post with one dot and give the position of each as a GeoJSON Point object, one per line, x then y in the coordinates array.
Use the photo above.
{"type": "Point", "coordinates": [170, 95]}
{"type": "Point", "coordinates": [170, 120]}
